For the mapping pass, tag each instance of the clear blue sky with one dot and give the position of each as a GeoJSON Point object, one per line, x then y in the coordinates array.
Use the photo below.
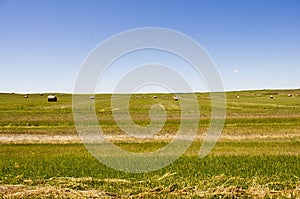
{"type": "Point", "coordinates": [255, 44]}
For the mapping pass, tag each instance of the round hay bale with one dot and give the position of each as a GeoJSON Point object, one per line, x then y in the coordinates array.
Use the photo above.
{"type": "Point", "coordinates": [271, 96]}
{"type": "Point", "coordinates": [290, 95]}
{"type": "Point", "coordinates": [155, 97]}
{"type": "Point", "coordinates": [26, 96]}
{"type": "Point", "coordinates": [92, 97]}
{"type": "Point", "coordinates": [175, 98]}
{"type": "Point", "coordinates": [52, 98]}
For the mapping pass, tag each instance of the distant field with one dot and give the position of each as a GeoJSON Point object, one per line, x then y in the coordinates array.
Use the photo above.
{"type": "Point", "coordinates": [258, 154]}
{"type": "Point", "coordinates": [252, 114]}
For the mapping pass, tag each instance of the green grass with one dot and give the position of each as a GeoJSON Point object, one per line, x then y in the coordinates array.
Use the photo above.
{"type": "Point", "coordinates": [59, 165]}
{"type": "Point", "coordinates": [258, 154]}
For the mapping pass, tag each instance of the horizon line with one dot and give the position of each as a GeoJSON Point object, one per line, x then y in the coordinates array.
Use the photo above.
{"type": "Point", "coordinates": [154, 92]}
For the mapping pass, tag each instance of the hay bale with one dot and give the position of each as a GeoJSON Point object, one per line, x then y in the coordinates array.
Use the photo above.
{"type": "Point", "coordinates": [92, 97]}
{"type": "Point", "coordinates": [52, 98]}
{"type": "Point", "coordinates": [271, 96]}
{"type": "Point", "coordinates": [41, 94]}
{"type": "Point", "coordinates": [175, 98]}
{"type": "Point", "coordinates": [154, 96]}
{"type": "Point", "coordinates": [237, 97]}
{"type": "Point", "coordinates": [26, 96]}
{"type": "Point", "coordinates": [290, 95]}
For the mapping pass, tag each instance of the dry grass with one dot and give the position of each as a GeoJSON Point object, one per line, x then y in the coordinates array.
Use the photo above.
{"type": "Point", "coordinates": [72, 188]}
{"type": "Point", "coordinates": [22, 191]}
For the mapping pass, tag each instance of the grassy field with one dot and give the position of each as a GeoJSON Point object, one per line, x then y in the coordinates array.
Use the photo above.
{"type": "Point", "coordinates": [258, 154]}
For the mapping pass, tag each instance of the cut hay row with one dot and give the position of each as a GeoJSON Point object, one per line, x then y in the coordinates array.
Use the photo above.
{"type": "Point", "coordinates": [69, 139]}
{"type": "Point", "coordinates": [76, 188]}
{"type": "Point", "coordinates": [22, 191]}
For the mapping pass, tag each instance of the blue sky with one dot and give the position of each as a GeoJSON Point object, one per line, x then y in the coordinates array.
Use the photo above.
{"type": "Point", "coordinates": [255, 44]}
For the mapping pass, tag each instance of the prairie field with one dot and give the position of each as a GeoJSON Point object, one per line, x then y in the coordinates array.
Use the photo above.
{"type": "Point", "coordinates": [257, 155]}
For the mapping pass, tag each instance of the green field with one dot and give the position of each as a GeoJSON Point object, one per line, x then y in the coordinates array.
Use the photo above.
{"type": "Point", "coordinates": [258, 154]}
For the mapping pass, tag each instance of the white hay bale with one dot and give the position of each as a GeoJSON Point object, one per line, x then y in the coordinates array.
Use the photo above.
{"type": "Point", "coordinates": [92, 97]}
{"type": "Point", "coordinates": [271, 96]}
{"type": "Point", "coordinates": [175, 98]}
{"type": "Point", "coordinates": [290, 95]}
{"type": "Point", "coordinates": [26, 96]}
{"type": "Point", "coordinates": [154, 96]}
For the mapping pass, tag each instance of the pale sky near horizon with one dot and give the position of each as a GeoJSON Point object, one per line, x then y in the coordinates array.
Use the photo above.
{"type": "Point", "coordinates": [254, 44]}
